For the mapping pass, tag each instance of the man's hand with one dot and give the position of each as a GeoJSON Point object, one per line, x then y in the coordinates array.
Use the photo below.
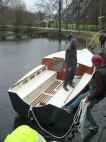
{"type": "Point", "coordinates": [65, 66]}
{"type": "Point", "coordinates": [87, 99]}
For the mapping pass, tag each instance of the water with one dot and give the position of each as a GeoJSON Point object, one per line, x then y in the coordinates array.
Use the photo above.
{"type": "Point", "coordinates": [16, 59]}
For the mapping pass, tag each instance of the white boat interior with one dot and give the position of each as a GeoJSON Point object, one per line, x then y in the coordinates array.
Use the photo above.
{"type": "Point", "coordinates": [44, 84]}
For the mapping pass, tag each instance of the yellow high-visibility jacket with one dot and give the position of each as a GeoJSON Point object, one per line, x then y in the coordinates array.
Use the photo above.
{"type": "Point", "coordinates": [24, 133]}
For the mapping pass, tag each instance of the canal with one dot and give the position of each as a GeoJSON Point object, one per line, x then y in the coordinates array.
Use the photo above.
{"type": "Point", "coordinates": [16, 59]}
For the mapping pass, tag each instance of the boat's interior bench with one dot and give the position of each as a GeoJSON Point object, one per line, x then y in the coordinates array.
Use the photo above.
{"type": "Point", "coordinates": [33, 73]}
{"type": "Point", "coordinates": [53, 93]}
{"type": "Point", "coordinates": [48, 93]}
{"type": "Point", "coordinates": [33, 88]}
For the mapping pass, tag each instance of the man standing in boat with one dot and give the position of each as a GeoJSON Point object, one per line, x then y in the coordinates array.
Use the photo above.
{"type": "Point", "coordinates": [70, 61]}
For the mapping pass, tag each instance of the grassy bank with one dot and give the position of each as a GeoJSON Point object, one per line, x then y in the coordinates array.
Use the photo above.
{"type": "Point", "coordinates": [37, 32]}
{"type": "Point", "coordinates": [91, 38]}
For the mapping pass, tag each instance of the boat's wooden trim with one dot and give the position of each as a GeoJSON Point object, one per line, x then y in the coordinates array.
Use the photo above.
{"type": "Point", "coordinates": [81, 69]}
{"type": "Point", "coordinates": [48, 62]}
{"type": "Point", "coordinates": [83, 56]}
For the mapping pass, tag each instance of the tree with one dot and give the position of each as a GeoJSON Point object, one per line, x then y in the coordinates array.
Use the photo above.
{"type": "Point", "coordinates": [3, 3]}
{"type": "Point", "coordinates": [18, 7]}
{"type": "Point", "coordinates": [66, 12]}
{"type": "Point", "coordinates": [54, 7]}
{"type": "Point", "coordinates": [48, 7]}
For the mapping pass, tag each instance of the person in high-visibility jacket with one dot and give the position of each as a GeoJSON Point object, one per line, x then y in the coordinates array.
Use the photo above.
{"type": "Point", "coordinates": [24, 133]}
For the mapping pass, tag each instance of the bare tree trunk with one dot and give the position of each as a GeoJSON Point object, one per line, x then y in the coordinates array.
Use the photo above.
{"type": "Point", "coordinates": [60, 16]}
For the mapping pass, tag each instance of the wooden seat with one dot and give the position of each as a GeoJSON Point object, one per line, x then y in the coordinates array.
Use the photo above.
{"type": "Point", "coordinates": [35, 86]}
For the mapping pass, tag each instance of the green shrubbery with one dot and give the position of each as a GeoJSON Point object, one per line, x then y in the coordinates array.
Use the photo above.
{"type": "Point", "coordinates": [74, 26]}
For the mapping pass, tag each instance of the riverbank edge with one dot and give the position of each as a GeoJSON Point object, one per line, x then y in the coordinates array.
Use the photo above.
{"type": "Point", "coordinates": [56, 35]}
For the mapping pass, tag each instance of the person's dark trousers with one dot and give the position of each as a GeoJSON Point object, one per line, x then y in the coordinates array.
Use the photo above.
{"type": "Point", "coordinates": [66, 79]}
{"type": "Point", "coordinates": [102, 44]}
{"type": "Point", "coordinates": [89, 116]}
{"type": "Point", "coordinates": [70, 73]}
{"type": "Point", "coordinates": [69, 77]}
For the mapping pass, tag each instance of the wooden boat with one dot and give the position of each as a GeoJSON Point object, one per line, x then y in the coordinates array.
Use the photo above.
{"type": "Point", "coordinates": [41, 90]}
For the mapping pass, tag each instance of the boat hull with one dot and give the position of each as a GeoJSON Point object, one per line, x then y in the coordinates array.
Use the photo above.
{"type": "Point", "coordinates": [50, 120]}
{"type": "Point", "coordinates": [18, 104]}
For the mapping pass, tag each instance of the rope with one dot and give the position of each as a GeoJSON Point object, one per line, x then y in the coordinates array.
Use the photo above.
{"type": "Point", "coordinates": [75, 121]}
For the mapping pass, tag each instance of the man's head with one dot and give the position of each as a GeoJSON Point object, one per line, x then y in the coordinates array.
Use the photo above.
{"type": "Point", "coordinates": [101, 52]}
{"type": "Point", "coordinates": [69, 37]}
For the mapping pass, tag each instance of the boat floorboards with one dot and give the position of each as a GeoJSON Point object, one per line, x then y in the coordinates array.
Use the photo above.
{"type": "Point", "coordinates": [45, 96]}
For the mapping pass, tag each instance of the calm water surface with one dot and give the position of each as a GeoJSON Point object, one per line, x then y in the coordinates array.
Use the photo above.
{"type": "Point", "coordinates": [16, 59]}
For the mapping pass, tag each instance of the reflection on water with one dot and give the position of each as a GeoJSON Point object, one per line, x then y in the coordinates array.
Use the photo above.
{"type": "Point", "coordinates": [16, 59]}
